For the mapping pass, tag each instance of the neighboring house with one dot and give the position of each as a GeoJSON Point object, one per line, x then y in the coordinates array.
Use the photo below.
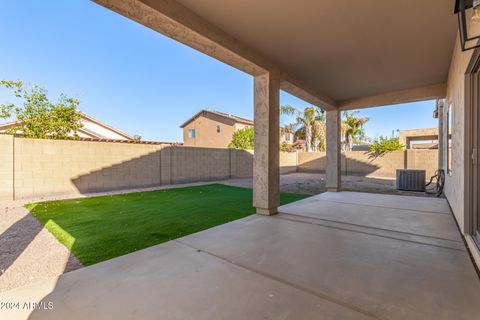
{"type": "Point", "coordinates": [92, 129]}
{"type": "Point", "coordinates": [423, 138]}
{"type": "Point", "coordinates": [213, 129]}
{"type": "Point", "coordinates": [425, 146]}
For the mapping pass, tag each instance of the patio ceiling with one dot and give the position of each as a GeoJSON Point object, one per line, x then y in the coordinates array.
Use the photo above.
{"type": "Point", "coordinates": [344, 54]}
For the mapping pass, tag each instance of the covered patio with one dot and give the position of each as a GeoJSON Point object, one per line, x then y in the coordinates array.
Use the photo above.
{"type": "Point", "coordinates": [333, 256]}
{"type": "Point", "coordinates": [337, 255]}
{"type": "Point", "coordinates": [334, 55]}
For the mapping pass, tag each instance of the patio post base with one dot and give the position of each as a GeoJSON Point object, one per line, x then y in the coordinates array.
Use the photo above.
{"type": "Point", "coordinates": [267, 211]}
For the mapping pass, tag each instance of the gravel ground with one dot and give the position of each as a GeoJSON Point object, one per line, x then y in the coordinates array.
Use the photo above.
{"type": "Point", "coordinates": [28, 252]}
{"type": "Point", "coordinates": [314, 183]}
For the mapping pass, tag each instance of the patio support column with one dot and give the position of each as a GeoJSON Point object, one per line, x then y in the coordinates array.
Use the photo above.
{"type": "Point", "coordinates": [333, 177]}
{"type": "Point", "coordinates": [266, 171]}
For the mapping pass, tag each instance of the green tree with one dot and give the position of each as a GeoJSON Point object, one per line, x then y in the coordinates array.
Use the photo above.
{"type": "Point", "coordinates": [39, 117]}
{"type": "Point", "coordinates": [310, 124]}
{"type": "Point", "coordinates": [353, 129]}
{"type": "Point", "coordinates": [385, 144]}
{"type": "Point", "coordinates": [243, 139]}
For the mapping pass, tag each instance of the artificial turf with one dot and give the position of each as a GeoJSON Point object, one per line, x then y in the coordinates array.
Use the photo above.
{"type": "Point", "coordinates": [100, 228]}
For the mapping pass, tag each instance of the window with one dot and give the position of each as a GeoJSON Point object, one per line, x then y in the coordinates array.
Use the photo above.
{"type": "Point", "coordinates": [449, 138]}
{"type": "Point", "coordinates": [191, 133]}
{"type": "Point", "coordinates": [287, 136]}
{"type": "Point", "coordinates": [218, 128]}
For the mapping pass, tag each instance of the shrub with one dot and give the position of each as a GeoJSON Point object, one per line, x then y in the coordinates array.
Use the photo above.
{"type": "Point", "coordinates": [385, 144]}
{"type": "Point", "coordinates": [242, 139]}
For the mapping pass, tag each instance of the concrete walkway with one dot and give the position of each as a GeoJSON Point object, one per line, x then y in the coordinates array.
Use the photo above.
{"type": "Point", "coordinates": [333, 256]}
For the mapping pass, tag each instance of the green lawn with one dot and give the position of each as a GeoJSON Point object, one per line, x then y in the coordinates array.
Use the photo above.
{"type": "Point", "coordinates": [101, 228]}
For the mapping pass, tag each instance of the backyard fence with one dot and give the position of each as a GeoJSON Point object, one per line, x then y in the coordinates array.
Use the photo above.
{"type": "Point", "coordinates": [367, 163]}
{"type": "Point", "coordinates": [34, 168]}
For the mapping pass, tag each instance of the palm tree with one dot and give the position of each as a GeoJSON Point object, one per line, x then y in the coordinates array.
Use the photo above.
{"type": "Point", "coordinates": [352, 129]}
{"type": "Point", "coordinates": [310, 122]}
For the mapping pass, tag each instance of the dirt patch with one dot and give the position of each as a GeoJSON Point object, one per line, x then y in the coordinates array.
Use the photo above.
{"type": "Point", "coordinates": [314, 183]}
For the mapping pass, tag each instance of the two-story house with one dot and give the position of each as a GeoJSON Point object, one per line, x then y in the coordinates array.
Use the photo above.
{"type": "Point", "coordinates": [213, 129]}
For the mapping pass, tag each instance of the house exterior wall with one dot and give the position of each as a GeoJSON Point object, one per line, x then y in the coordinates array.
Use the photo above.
{"type": "Point", "coordinates": [207, 136]}
{"type": "Point", "coordinates": [406, 136]}
{"type": "Point", "coordinates": [100, 130]}
{"type": "Point", "coordinates": [206, 132]}
{"type": "Point", "coordinates": [455, 180]}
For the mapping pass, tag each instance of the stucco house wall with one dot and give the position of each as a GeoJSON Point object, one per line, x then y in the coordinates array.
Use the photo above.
{"type": "Point", "coordinates": [455, 180]}
{"type": "Point", "coordinates": [405, 137]}
{"type": "Point", "coordinates": [206, 134]}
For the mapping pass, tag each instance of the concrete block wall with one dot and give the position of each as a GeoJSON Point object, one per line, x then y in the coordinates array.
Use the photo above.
{"type": "Point", "coordinates": [49, 167]}
{"type": "Point", "coordinates": [364, 163]}
{"type": "Point", "coordinates": [312, 161]}
{"type": "Point", "coordinates": [288, 162]}
{"type": "Point", "coordinates": [423, 159]}
{"type": "Point", "coordinates": [190, 164]}
{"type": "Point", "coordinates": [6, 167]}
{"type": "Point", "coordinates": [33, 168]}
{"type": "Point", "coordinates": [241, 163]}
{"type": "Point", "coordinates": [384, 165]}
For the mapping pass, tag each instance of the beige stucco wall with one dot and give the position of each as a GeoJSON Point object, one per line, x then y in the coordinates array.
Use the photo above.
{"type": "Point", "coordinates": [208, 137]}
{"type": "Point", "coordinates": [406, 136]}
{"type": "Point", "coordinates": [365, 163]}
{"type": "Point", "coordinates": [455, 181]}
{"type": "Point", "coordinates": [206, 132]}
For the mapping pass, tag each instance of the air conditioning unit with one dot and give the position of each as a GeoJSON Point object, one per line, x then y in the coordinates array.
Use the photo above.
{"type": "Point", "coordinates": [411, 180]}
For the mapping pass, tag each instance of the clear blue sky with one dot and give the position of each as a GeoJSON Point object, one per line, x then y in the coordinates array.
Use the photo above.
{"type": "Point", "coordinates": [136, 79]}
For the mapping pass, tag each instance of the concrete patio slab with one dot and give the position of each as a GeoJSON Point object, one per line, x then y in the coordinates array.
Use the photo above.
{"type": "Point", "coordinates": [378, 214]}
{"type": "Point", "coordinates": [284, 267]}
{"type": "Point", "coordinates": [457, 245]}
{"type": "Point", "coordinates": [422, 204]}
{"type": "Point", "coordinates": [172, 281]}
{"type": "Point", "coordinates": [390, 278]}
